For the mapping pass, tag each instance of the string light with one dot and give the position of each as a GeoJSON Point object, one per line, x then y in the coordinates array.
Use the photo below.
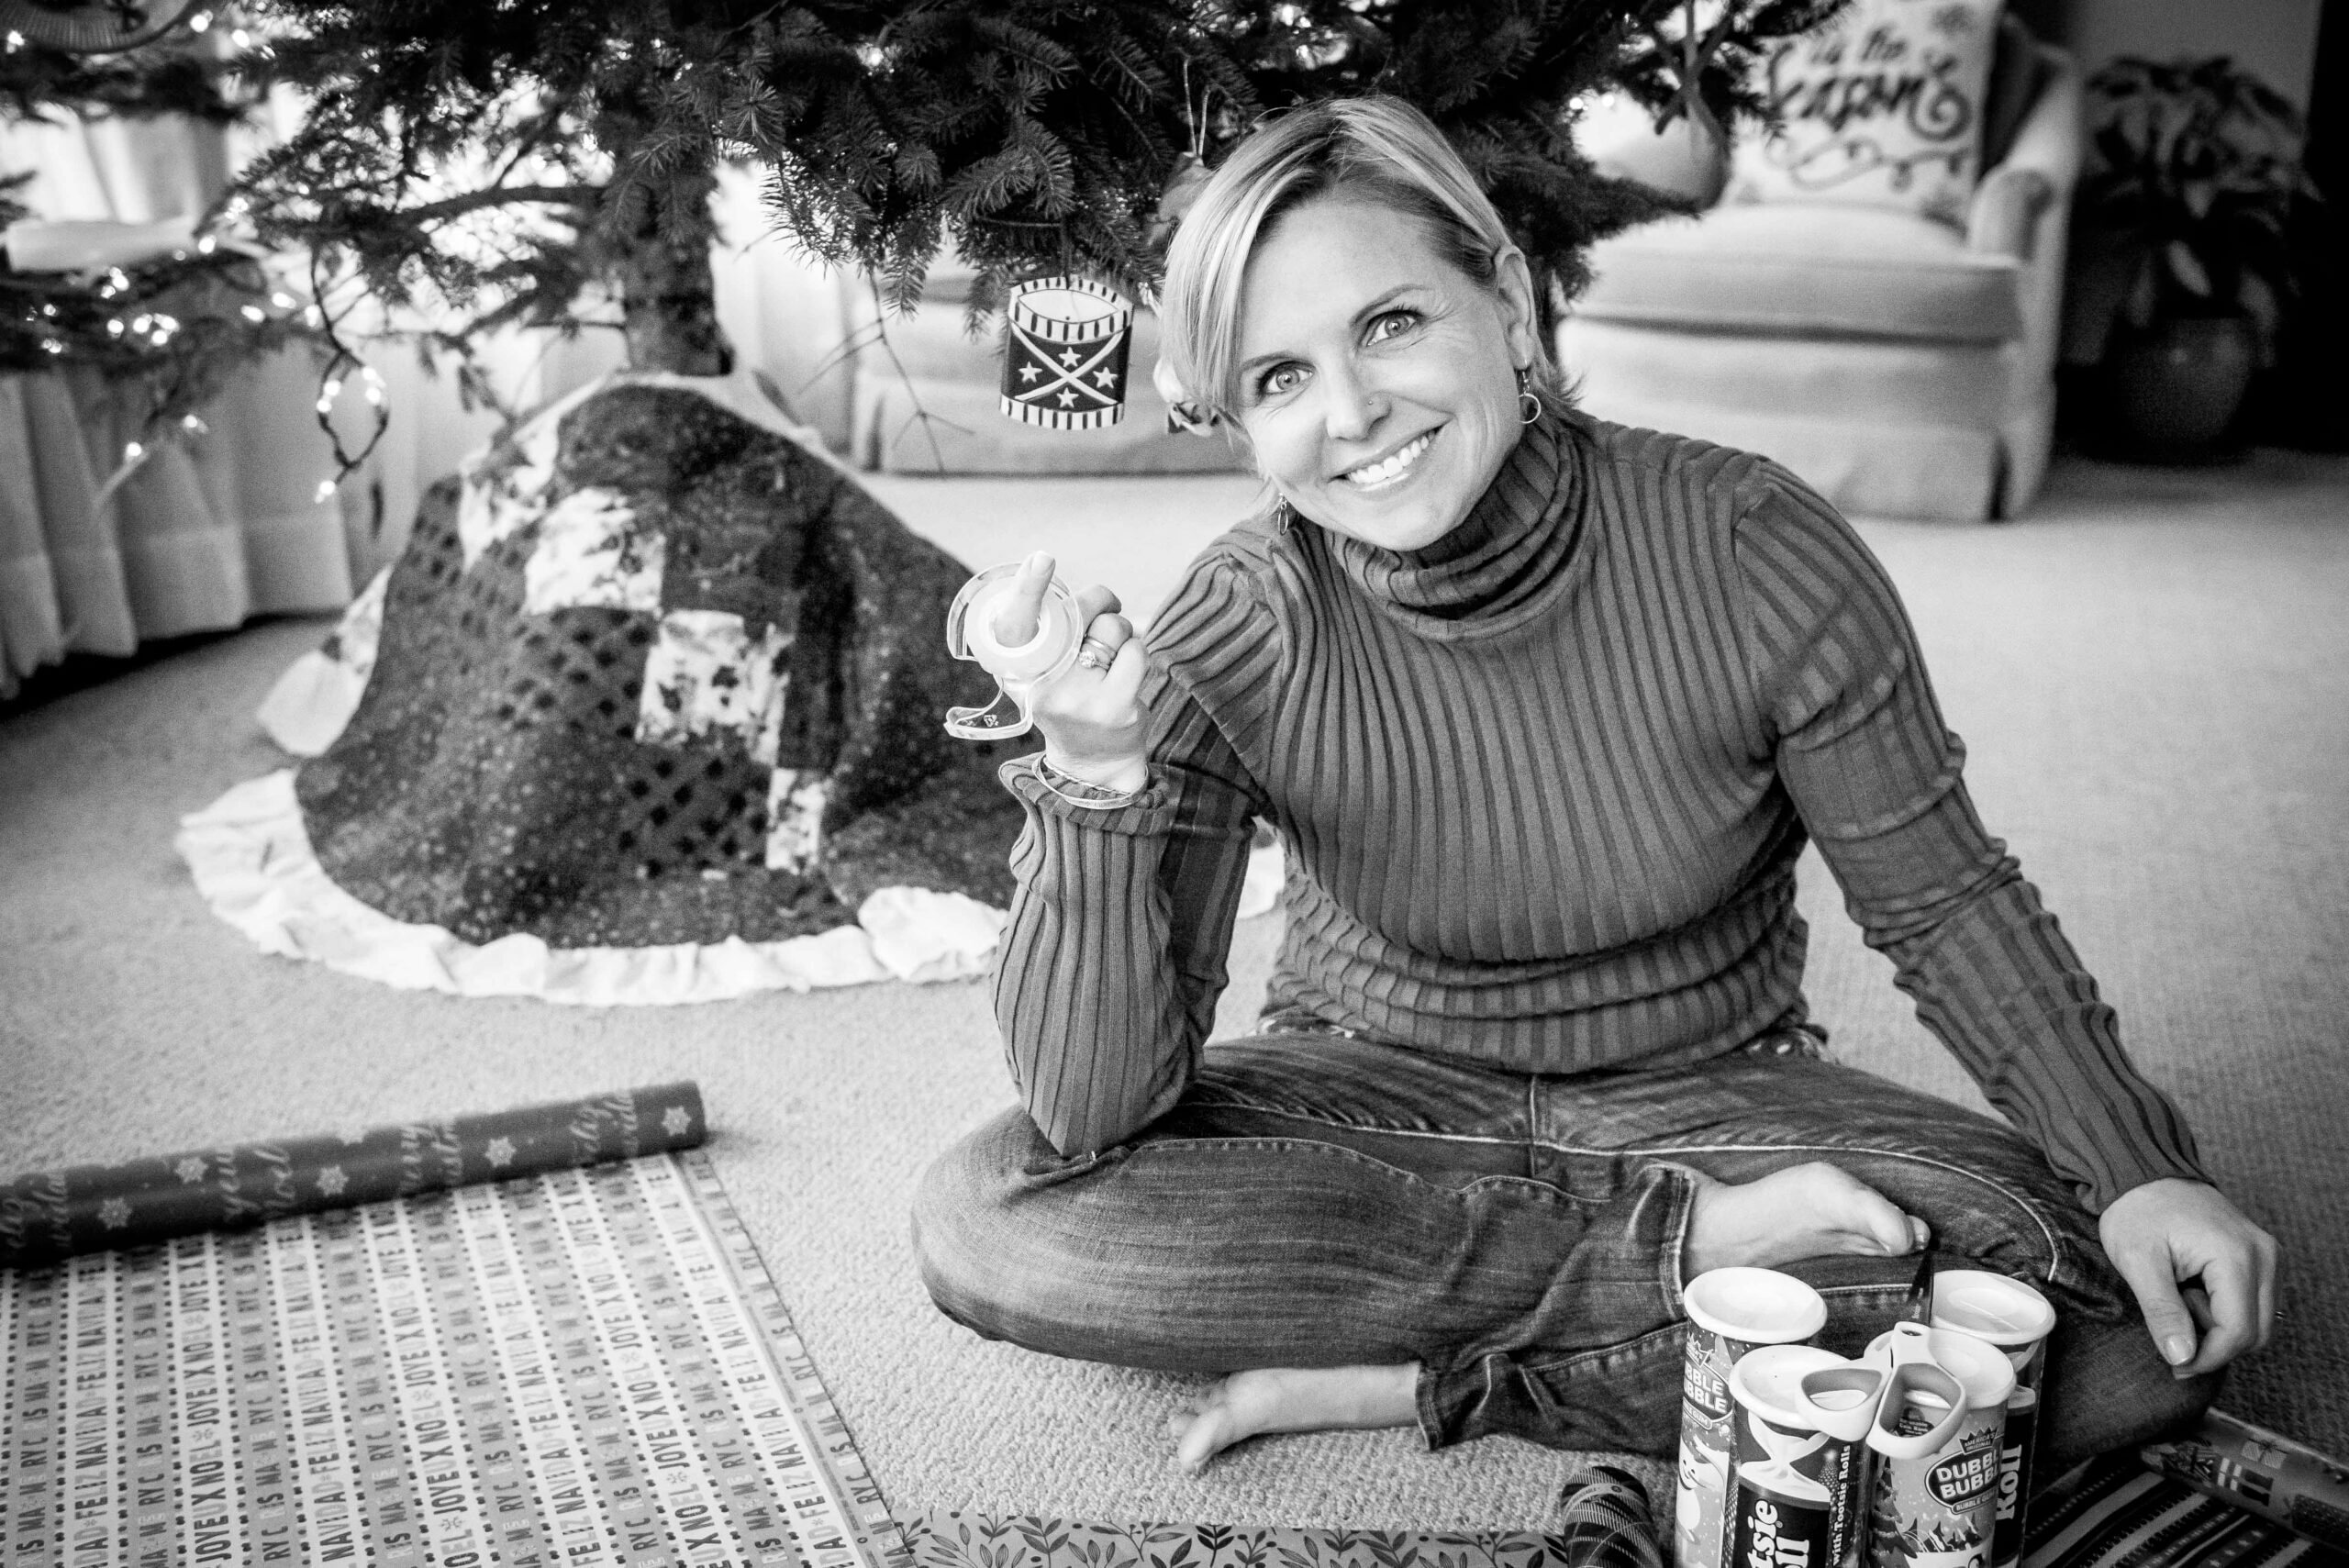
{"type": "Point", "coordinates": [241, 37]}
{"type": "Point", "coordinates": [282, 300]}
{"type": "Point", "coordinates": [194, 426]}
{"type": "Point", "coordinates": [199, 22]}
{"type": "Point", "coordinates": [132, 451]}
{"type": "Point", "coordinates": [53, 346]}
{"type": "Point", "coordinates": [15, 41]}
{"type": "Point", "coordinates": [114, 328]}
{"type": "Point", "coordinates": [325, 491]}
{"type": "Point", "coordinates": [255, 313]}
{"type": "Point", "coordinates": [204, 246]}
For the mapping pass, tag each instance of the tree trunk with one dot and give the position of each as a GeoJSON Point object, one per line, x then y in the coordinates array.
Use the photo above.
{"type": "Point", "coordinates": [668, 296]}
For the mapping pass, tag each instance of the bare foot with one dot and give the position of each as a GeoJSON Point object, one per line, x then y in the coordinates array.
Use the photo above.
{"type": "Point", "coordinates": [1804, 1211]}
{"type": "Point", "coordinates": [1292, 1399]}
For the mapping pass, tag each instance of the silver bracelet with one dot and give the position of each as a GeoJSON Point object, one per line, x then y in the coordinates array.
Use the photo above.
{"type": "Point", "coordinates": [1097, 797]}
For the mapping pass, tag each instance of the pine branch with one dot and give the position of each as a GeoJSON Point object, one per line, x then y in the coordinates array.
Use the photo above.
{"type": "Point", "coordinates": [499, 195]}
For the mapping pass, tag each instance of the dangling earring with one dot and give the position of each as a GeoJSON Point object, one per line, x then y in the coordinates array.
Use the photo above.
{"type": "Point", "coordinates": [1526, 396]}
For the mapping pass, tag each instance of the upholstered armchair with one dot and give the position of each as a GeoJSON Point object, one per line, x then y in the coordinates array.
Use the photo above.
{"type": "Point", "coordinates": [1901, 365]}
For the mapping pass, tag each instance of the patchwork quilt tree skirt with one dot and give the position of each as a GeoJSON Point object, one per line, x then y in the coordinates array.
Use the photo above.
{"type": "Point", "coordinates": [648, 711]}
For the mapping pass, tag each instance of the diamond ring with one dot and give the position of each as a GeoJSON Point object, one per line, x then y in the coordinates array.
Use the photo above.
{"type": "Point", "coordinates": [1095, 654]}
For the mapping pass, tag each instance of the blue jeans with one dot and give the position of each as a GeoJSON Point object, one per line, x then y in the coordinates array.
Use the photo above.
{"type": "Point", "coordinates": [1318, 1200]}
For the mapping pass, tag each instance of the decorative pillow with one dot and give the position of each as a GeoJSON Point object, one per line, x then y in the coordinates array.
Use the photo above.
{"type": "Point", "coordinates": [1882, 107]}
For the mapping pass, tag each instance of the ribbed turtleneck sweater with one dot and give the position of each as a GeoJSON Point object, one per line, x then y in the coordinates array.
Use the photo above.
{"type": "Point", "coordinates": [1543, 787]}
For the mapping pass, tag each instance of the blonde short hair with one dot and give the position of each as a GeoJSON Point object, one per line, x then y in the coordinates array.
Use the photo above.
{"type": "Point", "coordinates": [1378, 147]}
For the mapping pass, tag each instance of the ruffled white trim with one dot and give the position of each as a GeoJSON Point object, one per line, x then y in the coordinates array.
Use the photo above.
{"type": "Point", "coordinates": [314, 698]}
{"type": "Point", "coordinates": [310, 703]}
{"type": "Point", "coordinates": [253, 863]}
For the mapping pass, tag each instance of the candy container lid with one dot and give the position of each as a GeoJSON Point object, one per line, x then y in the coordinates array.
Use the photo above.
{"type": "Point", "coordinates": [1982, 1370]}
{"type": "Point", "coordinates": [1761, 1307]}
{"type": "Point", "coordinates": [1769, 1381]}
{"type": "Point", "coordinates": [1992, 1307]}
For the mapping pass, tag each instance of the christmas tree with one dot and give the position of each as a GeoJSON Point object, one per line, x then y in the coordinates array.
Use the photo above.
{"type": "Point", "coordinates": [459, 168]}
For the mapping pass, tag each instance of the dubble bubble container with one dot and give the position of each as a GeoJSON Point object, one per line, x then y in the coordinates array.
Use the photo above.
{"type": "Point", "coordinates": [2016, 1319]}
{"type": "Point", "coordinates": [1933, 1502]}
{"type": "Point", "coordinates": [1730, 1312]}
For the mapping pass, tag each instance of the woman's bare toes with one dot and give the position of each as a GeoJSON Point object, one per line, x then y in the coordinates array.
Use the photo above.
{"type": "Point", "coordinates": [1291, 1399]}
{"type": "Point", "coordinates": [1804, 1211]}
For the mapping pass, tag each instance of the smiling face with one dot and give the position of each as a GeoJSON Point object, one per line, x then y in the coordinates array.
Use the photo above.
{"type": "Point", "coordinates": [1377, 381]}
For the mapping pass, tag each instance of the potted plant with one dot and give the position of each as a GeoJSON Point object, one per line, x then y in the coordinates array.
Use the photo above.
{"type": "Point", "coordinates": [2197, 165]}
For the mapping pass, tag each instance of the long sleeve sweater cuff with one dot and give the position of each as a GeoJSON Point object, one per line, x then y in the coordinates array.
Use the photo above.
{"type": "Point", "coordinates": [1150, 813]}
{"type": "Point", "coordinates": [2118, 1171]}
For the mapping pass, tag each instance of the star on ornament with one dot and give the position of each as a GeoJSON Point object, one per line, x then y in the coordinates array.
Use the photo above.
{"type": "Point", "coordinates": [676, 1121]}
{"type": "Point", "coordinates": [1105, 376]}
{"type": "Point", "coordinates": [114, 1213]}
{"type": "Point", "coordinates": [500, 1152]}
{"type": "Point", "coordinates": [332, 1181]}
{"type": "Point", "coordinates": [1029, 372]}
{"type": "Point", "coordinates": [190, 1170]}
{"type": "Point", "coordinates": [1070, 357]}
{"type": "Point", "coordinates": [1068, 397]}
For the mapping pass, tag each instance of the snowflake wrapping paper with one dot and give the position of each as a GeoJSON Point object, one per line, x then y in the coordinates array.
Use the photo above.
{"type": "Point", "coordinates": [57, 1213]}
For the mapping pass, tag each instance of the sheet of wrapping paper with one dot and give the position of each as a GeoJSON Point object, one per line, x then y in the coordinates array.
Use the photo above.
{"type": "Point", "coordinates": [588, 1367]}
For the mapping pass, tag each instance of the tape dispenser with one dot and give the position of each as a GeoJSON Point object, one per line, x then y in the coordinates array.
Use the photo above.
{"type": "Point", "coordinates": [1018, 671]}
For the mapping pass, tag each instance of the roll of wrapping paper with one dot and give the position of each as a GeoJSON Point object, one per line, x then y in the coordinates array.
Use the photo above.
{"type": "Point", "coordinates": [89, 1208]}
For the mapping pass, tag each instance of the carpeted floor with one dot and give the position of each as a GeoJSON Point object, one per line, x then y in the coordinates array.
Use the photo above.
{"type": "Point", "coordinates": [2152, 671]}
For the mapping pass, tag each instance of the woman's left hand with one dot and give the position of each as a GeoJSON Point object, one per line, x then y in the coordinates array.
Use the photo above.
{"type": "Point", "coordinates": [2165, 1233]}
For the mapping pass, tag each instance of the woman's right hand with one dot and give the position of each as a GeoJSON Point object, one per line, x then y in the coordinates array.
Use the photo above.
{"type": "Point", "coordinates": [1090, 714]}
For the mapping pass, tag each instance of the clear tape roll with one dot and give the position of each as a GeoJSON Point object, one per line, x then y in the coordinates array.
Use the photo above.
{"type": "Point", "coordinates": [1018, 669]}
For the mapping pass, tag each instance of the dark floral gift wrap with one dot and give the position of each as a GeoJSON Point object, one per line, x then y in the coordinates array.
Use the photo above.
{"type": "Point", "coordinates": [86, 1209]}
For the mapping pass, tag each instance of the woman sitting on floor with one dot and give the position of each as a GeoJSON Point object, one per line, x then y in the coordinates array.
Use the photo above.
{"type": "Point", "coordinates": [1545, 710]}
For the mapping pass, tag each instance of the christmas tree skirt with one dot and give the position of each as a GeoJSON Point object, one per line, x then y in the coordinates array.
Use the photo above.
{"type": "Point", "coordinates": [648, 711]}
